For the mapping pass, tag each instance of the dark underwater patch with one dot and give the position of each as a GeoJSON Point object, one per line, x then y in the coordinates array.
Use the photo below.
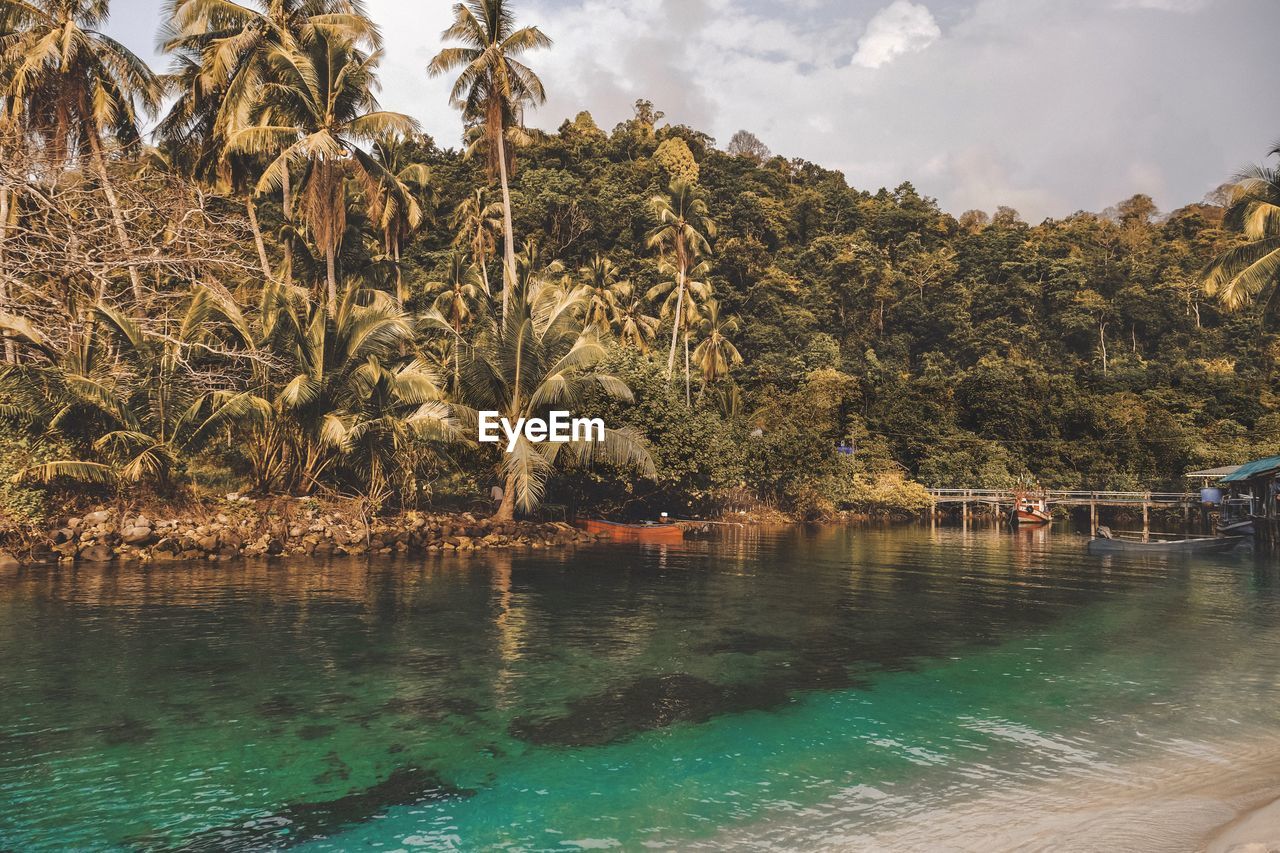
{"type": "Point", "coordinates": [315, 732]}
{"type": "Point", "coordinates": [125, 730]}
{"type": "Point", "coordinates": [645, 704]}
{"type": "Point", "coordinates": [298, 823]}
{"type": "Point", "coordinates": [278, 707]}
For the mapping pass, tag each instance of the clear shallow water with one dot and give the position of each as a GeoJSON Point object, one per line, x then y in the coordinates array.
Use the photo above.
{"type": "Point", "coordinates": [790, 688]}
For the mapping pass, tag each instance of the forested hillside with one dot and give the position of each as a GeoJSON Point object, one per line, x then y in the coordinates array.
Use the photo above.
{"type": "Point", "coordinates": [293, 291]}
{"type": "Point", "coordinates": [972, 351]}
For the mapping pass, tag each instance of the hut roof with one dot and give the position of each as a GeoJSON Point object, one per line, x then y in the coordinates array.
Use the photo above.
{"type": "Point", "coordinates": [1212, 473]}
{"type": "Point", "coordinates": [1256, 468]}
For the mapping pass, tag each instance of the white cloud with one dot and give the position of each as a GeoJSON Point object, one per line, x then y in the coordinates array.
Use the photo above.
{"type": "Point", "coordinates": [901, 27]}
{"type": "Point", "coordinates": [1044, 105]}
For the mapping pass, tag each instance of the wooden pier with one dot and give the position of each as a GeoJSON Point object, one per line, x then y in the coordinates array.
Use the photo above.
{"type": "Point", "coordinates": [999, 498]}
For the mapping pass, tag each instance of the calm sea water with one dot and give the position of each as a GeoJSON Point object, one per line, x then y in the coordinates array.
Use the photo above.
{"type": "Point", "coordinates": [786, 689]}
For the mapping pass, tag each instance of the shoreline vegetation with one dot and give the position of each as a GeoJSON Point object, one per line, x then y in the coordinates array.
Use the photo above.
{"type": "Point", "coordinates": [246, 276]}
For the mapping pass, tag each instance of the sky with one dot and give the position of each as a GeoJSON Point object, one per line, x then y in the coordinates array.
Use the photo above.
{"type": "Point", "coordinates": [1047, 106]}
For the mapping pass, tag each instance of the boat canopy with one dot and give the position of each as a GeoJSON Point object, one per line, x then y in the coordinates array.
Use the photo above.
{"type": "Point", "coordinates": [1256, 468]}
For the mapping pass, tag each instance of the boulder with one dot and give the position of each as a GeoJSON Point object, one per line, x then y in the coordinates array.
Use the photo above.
{"type": "Point", "coordinates": [137, 536]}
{"type": "Point", "coordinates": [102, 516]}
{"type": "Point", "coordinates": [97, 554]}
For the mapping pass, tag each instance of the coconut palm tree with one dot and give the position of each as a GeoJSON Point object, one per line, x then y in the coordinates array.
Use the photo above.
{"type": "Point", "coordinates": [129, 392]}
{"type": "Point", "coordinates": [341, 386]}
{"type": "Point", "coordinates": [475, 223]}
{"type": "Point", "coordinates": [492, 89]}
{"type": "Point", "coordinates": [1247, 272]}
{"type": "Point", "coordinates": [313, 114]}
{"type": "Point", "coordinates": [221, 57]}
{"type": "Point", "coordinates": [682, 302]}
{"type": "Point", "coordinates": [681, 237]}
{"type": "Point", "coordinates": [634, 326]}
{"type": "Point", "coordinates": [398, 206]}
{"type": "Point", "coordinates": [604, 289]}
{"type": "Point", "coordinates": [535, 359]}
{"type": "Point", "coordinates": [715, 354]}
{"type": "Point", "coordinates": [194, 146]}
{"type": "Point", "coordinates": [458, 298]}
{"type": "Point", "coordinates": [232, 44]}
{"type": "Point", "coordinates": [70, 86]}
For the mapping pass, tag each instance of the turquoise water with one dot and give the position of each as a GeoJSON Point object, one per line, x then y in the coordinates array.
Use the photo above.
{"type": "Point", "coordinates": [800, 685]}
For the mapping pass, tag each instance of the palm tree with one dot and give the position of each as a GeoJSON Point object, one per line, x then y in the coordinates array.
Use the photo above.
{"type": "Point", "coordinates": [342, 386]}
{"type": "Point", "coordinates": [682, 302]}
{"type": "Point", "coordinates": [69, 86]}
{"type": "Point", "coordinates": [715, 354]}
{"type": "Point", "coordinates": [535, 359]}
{"type": "Point", "coordinates": [194, 147]}
{"type": "Point", "coordinates": [492, 89]}
{"type": "Point", "coordinates": [459, 297]}
{"type": "Point", "coordinates": [634, 325]}
{"type": "Point", "coordinates": [475, 223]}
{"type": "Point", "coordinates": [604, 289]}
{"type": "Point", "coordinates": [319, 104]}
{"type": "Point", "coordinates": [397, 207]}
{"type": "Point", "coordinates": [681, 237]}
{"type": "Point", "coordinates": [232, 44]}
{"type": "Point", "coordinates": [129, 393]}
{"type": "Point", "coordinates": [1242, 274]}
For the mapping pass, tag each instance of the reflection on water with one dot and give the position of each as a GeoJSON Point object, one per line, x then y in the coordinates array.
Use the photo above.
{"type": "Point", "coordinates": [796, 687]}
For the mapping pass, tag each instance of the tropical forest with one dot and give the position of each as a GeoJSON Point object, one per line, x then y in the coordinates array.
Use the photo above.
{"type": "Point", "coordinates": [239, 274]}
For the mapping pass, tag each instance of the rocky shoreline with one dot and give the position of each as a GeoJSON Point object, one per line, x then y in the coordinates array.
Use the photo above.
{"type": "Point", "coordinates": [242, 527]}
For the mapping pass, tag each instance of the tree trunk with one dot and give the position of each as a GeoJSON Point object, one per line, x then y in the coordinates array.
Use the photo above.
{"type": "Point", "coordinates": [395, 254]}
{"type": "Point", "coordinates": [1102, 337]}
{"type": "Point", "coordinates": [286, 194]}
{"type": "Point", "coordinates": [100, 163]}
{"type": "Point", "coordinates": [257, 237]}
{"type": "Point", "coordinates": [508, 232]}
{"type": "Point", "coordinates": [286, 205]}
{"type": "Point", "coordinates": [9, 352]}
{"type": "Point", "coordinates": [687, 400]}
{"type": "Point", "coordinates": [331, 278]}
{"type": "Point", "coordinates": [675, 328]}
{"type": "Point", "coordinates": [507, 509]}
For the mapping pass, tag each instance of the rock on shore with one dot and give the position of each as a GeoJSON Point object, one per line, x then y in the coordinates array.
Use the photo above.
{"type": "Point", "coordinates": [283, 527]}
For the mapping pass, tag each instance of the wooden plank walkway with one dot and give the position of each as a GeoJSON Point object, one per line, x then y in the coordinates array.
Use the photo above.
{"type": "Point", "coordinates": [998, 498]}
{"type": "Point", "coordinates": [1067, 498]}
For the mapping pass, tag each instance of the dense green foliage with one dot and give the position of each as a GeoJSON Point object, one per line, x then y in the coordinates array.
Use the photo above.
{"type": "Point", "coordinates": [739, 315]}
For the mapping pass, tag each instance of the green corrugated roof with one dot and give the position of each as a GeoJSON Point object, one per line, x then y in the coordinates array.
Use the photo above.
{"type": "Point", "coordinates": [1249, 470]}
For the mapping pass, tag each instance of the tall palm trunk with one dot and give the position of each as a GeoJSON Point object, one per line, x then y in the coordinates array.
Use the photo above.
{"type": "Point", "coordinates": [507, 509]}
{"type": "Point", "coordinates": [113, 202]}
{"type": "Point", "coordinates": [687, 400]}
{"type": "Point", "coordinates": [286, 205]}
{"type": "Point", "coordinates": [257, 237]}
{"type": "Point", "coordinates": [675, 328]}
{"type": "Point", "coordinates": [9, 350]}
{"type": "Point", "coordinates": [400, 291]}
{"type": "Point", "coordinates": [508, 232]}
{"type": "Point", "coordinates": [331, 276]}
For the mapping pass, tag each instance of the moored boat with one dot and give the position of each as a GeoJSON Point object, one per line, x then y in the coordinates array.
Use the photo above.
{"type": "Point", "coordinates": [1236, 527]}
{"type": "Point", "coordinates": [1157, 543]}
{"type": "Point", "coordinates": [648, 531]}
{"type": "Point", "coordinates": [1029, 511]}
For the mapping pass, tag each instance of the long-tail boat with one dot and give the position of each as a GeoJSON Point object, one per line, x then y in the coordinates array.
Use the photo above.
{"type": "Point", "coordinates": [648, 531]}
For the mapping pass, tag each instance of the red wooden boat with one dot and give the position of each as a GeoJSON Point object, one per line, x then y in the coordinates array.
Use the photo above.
{"type": "Point", "coordinates": [648, 532]}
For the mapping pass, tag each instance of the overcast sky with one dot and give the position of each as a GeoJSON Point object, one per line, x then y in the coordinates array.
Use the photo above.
{"type": "Point", "coordinates": [1049, 106]}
